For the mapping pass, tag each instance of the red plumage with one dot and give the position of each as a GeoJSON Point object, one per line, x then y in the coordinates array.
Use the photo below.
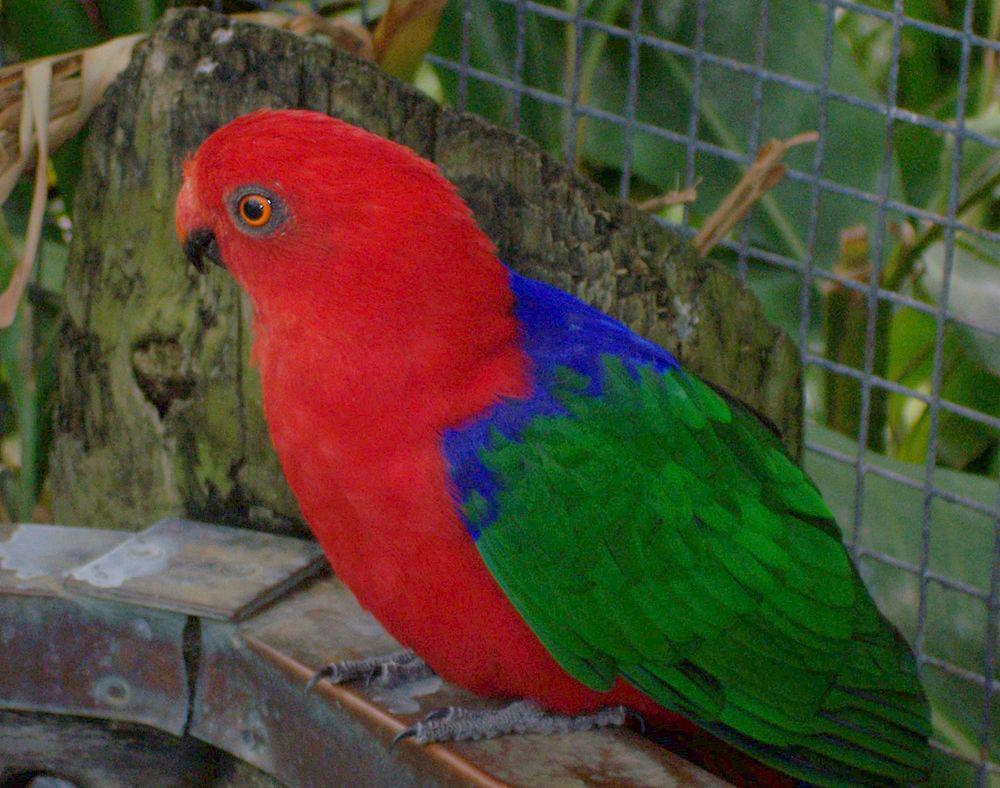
{"type": "Point", "coordinates": [360, 382]}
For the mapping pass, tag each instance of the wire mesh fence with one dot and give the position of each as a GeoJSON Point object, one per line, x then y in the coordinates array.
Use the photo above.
{"type": "Point", "coordinates": [892, 215]}
{"type": "Point", "coordinates": [828, 197]}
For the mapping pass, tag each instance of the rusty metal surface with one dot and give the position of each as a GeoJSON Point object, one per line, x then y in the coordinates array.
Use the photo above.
{"type": "Point", "coordinates": [239, 686]}
{"type": "Point", "coordinates": [324, 623]}
{"type": "Point", "coordinates": [254, 709]}
{"type": "Point", "coordinates": [34, 558]}
{"type": "Point", "coordinates": [206, 570]}
{"type": "Point", "coordinates": [94, 659]}
{"type": "Point", "coordinates": [95, 753]}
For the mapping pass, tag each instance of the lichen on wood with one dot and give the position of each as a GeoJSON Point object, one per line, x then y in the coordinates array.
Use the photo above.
{"type": "Point", "coordinates": [158, 408]}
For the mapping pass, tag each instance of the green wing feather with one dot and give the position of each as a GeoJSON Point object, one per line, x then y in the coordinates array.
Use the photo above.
{"type": "Point", "coordinates": [661, 533]}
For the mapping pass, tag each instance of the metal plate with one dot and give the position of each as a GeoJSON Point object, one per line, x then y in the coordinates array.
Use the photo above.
{"type": "Point", "coordinates": [258, 710]}
{"type": "Point", "coordinates": [34, 558]}
{"type": "Point", "coordinates": [240, 686]}
{"type": "Point", "coordinates": [324, 623]}
{"type": "Point", "coordinates": [93, 658]}
{"type": "Point", "coordinates": [77, 752]}
{"type": "Point", "coordinates": [206, 570]}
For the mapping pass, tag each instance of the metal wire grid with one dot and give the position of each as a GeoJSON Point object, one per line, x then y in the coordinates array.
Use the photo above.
{"type": "Point", "coordinates": [746, 253]}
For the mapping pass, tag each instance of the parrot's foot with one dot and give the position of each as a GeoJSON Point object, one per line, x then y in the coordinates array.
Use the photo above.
{"type": "Point", "coordinates": [386, 670]}
{"type": "Point", "coordinates": [453, 723]}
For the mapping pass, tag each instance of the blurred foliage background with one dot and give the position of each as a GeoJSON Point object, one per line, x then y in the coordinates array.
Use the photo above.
{"type": "Point", "coordinates": [736, 113]}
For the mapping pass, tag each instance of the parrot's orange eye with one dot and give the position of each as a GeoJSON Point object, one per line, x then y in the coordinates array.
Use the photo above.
{"type": "Point", "coordinates": [254, 209]}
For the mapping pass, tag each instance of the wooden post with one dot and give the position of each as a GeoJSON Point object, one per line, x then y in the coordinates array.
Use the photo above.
{"type": "Point", "coordinates": [158, 409]}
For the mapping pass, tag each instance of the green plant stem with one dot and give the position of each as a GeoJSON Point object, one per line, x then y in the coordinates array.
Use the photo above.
{"type": "Point", "coordinates": [901, 264]}
{"type": "Point", "coordinates": [592, 51]}
{"type": "Point", "coordinates": [607, 12]}
{"type": "Point", "coordinates": [904, 258]}
{"type": "Point", "coordinates": [990, 65]}
{"type": "Point", "coordinates": [27, 417]}
{"type": "Point", "coordinates": [7, 254]}
{"type": "Point", "coordinates": [728, 140]}
{"type": "Point", "coordinates": [17, 358]}
{"type": "Point", "coordinates": [569, 64]}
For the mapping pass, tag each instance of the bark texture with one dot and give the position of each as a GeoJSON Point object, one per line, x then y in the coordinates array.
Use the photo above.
{"type": "Point", "coordinates": [158, 409]}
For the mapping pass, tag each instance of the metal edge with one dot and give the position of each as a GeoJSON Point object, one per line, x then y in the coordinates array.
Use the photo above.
{"type": "Point", "coordinates": [364, 708]}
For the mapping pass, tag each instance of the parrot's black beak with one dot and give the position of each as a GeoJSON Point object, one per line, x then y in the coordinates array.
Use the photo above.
{"type": "Point", "coordinates": [200, 246]}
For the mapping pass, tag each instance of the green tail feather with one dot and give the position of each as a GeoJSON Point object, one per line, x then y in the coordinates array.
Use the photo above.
{"type": "Point", "coordinates": [660, 533]}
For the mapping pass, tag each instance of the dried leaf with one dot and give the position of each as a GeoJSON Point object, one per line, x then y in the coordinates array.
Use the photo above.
{"type": "Point", "coordinates": [42, 104]}
{"type": "Point", "coordinates": [34, 123]}
{"type": "Point", "coordinates": [675, 197]}
{"type": "Point", "coordinates": [764, 174]}
{"type": "Point", "coordinates": [341, 33]}
{"type": "Point", "coordinates": [404, 34]}
{"type": "Point", "coordinates": [845, 326]}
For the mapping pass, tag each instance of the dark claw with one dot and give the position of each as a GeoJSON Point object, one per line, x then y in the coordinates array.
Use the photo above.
{"type": "Point", "coordinates": [639, 720]}
{"type": "Point", "coordinates": [383, 673]}
{"type": "Point", "coordinates": [318, 676]}
{"type": "Point", "coordinates": [406, 733]}
{"type": "Point", "coordinates": [439, 714]}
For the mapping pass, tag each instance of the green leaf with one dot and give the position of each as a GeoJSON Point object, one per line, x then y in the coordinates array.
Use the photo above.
{"type": "Point", "coordinates": [37, 29]}
{"type": "Point", "coordinates": [979, 162]}
{"type": "Point", "coordinates": [779, 292]}
{"type": "Point", "coordinates": [854, 138]}
{"type": "Point", "coordinates": [974, 293]}
{"type": "Point", "coordinates": [27, 363]}
{"type": "Point", "coordinates": [121, 17]}
{"type": "Point", "coordinates": [13, 357]}
{"type": "Point", "coordinates": [921, 81]}
{"type": "Point", "coordinates": [27, 359]}
{"type": "Point", "coordinates": [961, 548]}
{"type": "Point", "coordinates": [961, 442]}
{"type": "Point", "coordinates": [492, 48]}
{"type": "Point", "coordinates": [918, 151]}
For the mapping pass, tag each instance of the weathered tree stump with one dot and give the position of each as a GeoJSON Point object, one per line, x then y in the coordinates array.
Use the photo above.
{"type": "Point", "coordinates": [158, 409]}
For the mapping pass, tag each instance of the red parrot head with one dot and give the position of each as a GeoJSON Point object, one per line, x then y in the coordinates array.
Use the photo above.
{"type": "Point", "coordinates": [358, 256]}
{"type": "Point", "coordinates": [317, 218]}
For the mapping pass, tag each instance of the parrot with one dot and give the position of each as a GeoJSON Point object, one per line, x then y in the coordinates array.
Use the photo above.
{"type": "Point", "coordinates": [540, 505]}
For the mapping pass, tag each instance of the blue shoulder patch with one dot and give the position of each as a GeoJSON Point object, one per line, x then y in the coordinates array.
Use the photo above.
{"type": "Point", "coordinates": [559, 332]}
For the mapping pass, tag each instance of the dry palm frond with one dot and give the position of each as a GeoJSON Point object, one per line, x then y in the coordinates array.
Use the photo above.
{"type": "Point", "coordinates": [764, 174]}
{"type": "Point", "coordinates": [42, 104]}
{"type": "Point", "coordinates": [404, 34]}
{"type": "Point", "coordinates": [670, 199]}
{"type": "Point", "coordinates": [45, 102]}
